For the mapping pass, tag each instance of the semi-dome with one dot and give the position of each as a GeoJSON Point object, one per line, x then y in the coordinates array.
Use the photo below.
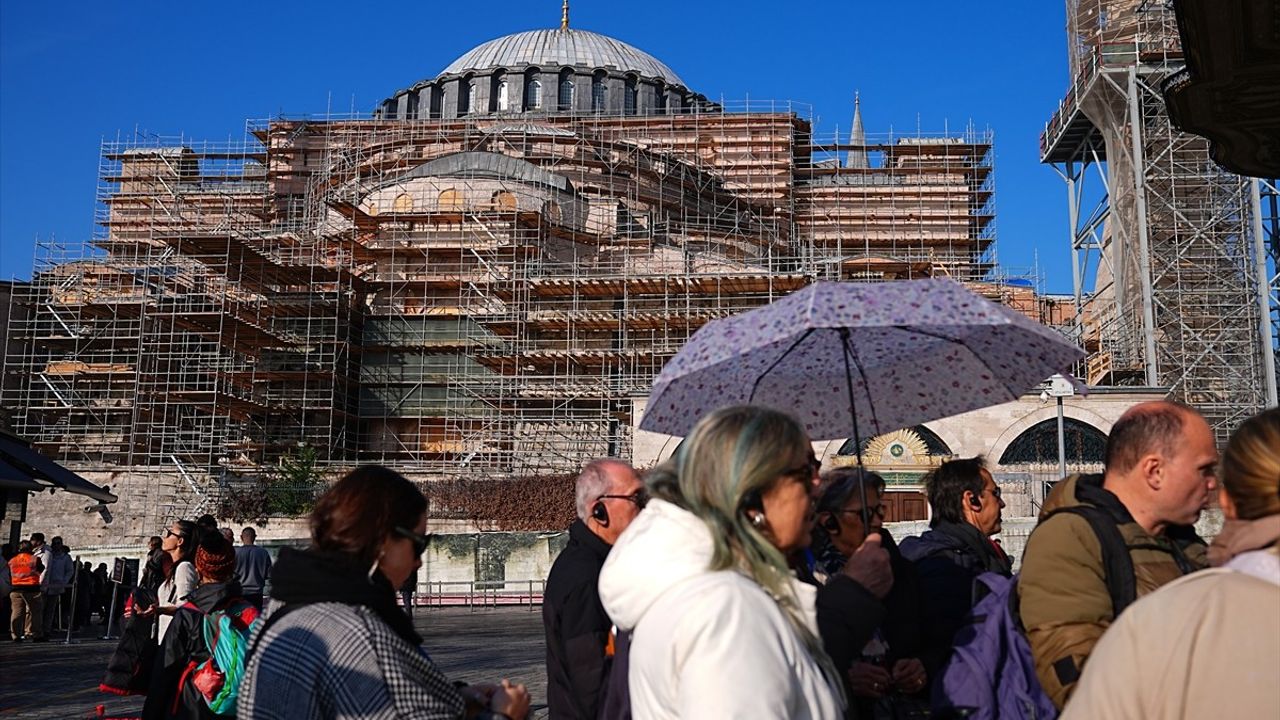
{"type": "Point", "coordinates": [561, 47]}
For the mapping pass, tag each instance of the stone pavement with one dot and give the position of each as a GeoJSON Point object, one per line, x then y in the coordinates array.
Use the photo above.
{"type": "Point", "coordinates": [53, 681]}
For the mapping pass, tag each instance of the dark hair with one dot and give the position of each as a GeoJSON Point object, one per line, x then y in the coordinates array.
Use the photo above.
{"type": "Point", "coordinates": [842, 483]}
{"type": "Point", "coordinates": [1142, 429]}
{"type": "Point", "coordinates": [357, 514]}
{"type": "Point", "coordinates": [947, 484]}
{"type": "Point", "coordinates": [207, 521]}
{"type": "Point", "coordinates": [24, 546]}
{"type": "Point", "coordinates": [37, 536]}
{"type": "Point", "coordinates": [191, 541]}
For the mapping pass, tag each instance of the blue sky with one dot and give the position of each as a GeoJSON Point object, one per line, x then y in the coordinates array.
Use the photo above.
{"type": "Point", "coordinates": [74, 73]}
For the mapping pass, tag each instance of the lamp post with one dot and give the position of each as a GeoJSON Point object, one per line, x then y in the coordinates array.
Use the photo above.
{"type": "Point", "coordinates": [1058, 388]}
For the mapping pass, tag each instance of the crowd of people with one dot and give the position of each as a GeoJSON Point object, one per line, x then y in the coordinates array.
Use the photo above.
{"type": "Point", "coordinates": [43, 590]}
{"type": "Point", "coordinates": [738, 580]}
{"type": "Point", "coordinates": [753, 586]}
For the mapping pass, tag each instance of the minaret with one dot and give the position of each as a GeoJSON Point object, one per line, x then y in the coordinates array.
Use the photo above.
{"type": "Point", "coordinates": [857, 136]}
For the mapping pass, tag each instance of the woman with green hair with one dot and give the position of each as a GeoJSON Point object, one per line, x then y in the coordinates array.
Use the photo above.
{"type": "Point", "coordinates": [721, 627]}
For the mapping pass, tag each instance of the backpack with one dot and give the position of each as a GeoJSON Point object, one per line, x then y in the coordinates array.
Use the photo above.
{"type": "Point", "coordinates": [991, 673]}
{"type": "Point", "coordinates": [226, 634]}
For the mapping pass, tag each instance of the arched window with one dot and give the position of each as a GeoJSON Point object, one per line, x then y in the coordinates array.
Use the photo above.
{"type": "Point", "coordinates": [436, 102]}
{"type": "Point", "coordinates": [629, 96]}
{"type": "Point", "coordinates": [450, 200]}
{"type": "Point", "coordinates": [1038, 445]}
{"type": "Point", "coordinates": [660, 99]}
{"type": "Point", "coordinates": [533, 95]}
{"type": "Point", "coordinates": [403, 203]}
{"type": "Point", "coordinates": [499, 101]}
{"type": "Point", "coordinates": [411, 112]}
{"type": "Point", "coordinates": [934, 444]}
{"type": "Point", "coordinates": [598, 93]}
{"type": "Point", "coordinates": [566, 97]}
{"type": "Point", "coordinates": [551, 210]}
{"type": "Point", "coordinates": [504, 201]}
{"type": "Point", "coordinates": [467, 98]}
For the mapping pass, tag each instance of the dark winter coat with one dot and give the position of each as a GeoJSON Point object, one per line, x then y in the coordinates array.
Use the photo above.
{"type": "Point", "coordinates": [577, 627]}
{"type": "Point", "coordinates": [172, 695]}
{"type": "Point", "coordinates": [947, 559]}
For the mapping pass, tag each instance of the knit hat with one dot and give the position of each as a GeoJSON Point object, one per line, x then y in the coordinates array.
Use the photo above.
{"type": "Point", "coordinates": [215, 558]}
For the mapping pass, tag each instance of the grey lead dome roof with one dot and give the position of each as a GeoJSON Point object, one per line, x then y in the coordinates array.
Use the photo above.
{"type": "Point", "coordinates": [558, 47]}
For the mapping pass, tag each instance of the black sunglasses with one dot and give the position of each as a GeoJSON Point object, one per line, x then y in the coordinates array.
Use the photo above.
{"type": "Point", "coordinates": [639, 497]}
{"type": "Point", "coordinates": [420, 541]}
{"type": "Point", "coordinates": [168, 532]}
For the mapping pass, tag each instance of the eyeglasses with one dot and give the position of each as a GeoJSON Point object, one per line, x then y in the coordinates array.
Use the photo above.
{"type": "Point", "coordinates": [420, 541]}
{"type": "Point", "coordinates": [807, 470]}
{"type": "Point", "coordinates": [168, 532]}
{"type": "Point", "coordinates": [639, 497]}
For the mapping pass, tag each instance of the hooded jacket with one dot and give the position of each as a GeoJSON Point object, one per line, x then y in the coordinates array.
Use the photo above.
{"type": "Point", "coordinates": [707, 644]}
{"type": "Point", "coordinates": [1206, 645]}
{"type": "Point", "coordinates": [1064, 602]}
{"type": "Point", "coordinates": [172, 693]}
{"type": "Point", "coordinates": [947, 559]}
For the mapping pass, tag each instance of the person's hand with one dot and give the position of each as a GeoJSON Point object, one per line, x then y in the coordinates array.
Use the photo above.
{"type": "Point", "coordinates": [510, 700]}
{"type": "Point", "coordinates": [478, 695]}
{"type": "Point", "coordinates": [869, 567]}
{"type": "Point", "coordinates": [909, 676]}
{"type": "Point", "coordinates": [867, 680]}
{"type": "Point", "coordinates": [147, 612]}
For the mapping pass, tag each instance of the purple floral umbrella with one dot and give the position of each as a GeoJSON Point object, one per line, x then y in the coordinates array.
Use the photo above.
{"type": "Point", "coordinates": [860, 359]}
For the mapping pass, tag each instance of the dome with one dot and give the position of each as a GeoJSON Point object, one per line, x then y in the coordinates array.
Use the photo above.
{"type": "Point", "coordinates": [559, 47]}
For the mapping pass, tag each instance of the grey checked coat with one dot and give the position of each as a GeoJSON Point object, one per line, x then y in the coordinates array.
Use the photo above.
{"type": "Point", "coordinates": [330, 661]}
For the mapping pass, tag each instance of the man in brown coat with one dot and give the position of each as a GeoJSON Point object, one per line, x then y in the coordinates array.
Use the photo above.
{"type": "Point", "coordinates": [1161, 462]}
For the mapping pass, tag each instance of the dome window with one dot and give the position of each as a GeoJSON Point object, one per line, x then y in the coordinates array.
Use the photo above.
{"type": "Point", "coordinates": [629, 97]}
{"type": "Point", "coordinates": [598, 92]}
{"type": "Point", "coordinates": [533, 95]}
{"type": "Point", "coordinates": [566, 90]}
{"type": "Point", "coordinates": [500, 100]}
{"type": "Point", "coordinates": [468, 98]}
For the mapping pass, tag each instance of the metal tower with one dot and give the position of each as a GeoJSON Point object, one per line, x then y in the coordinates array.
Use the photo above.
{"type": "Point", "coordinates": [1175, 247]}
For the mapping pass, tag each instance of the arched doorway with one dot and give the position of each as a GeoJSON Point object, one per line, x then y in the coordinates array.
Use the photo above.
{"type": "Point", "coordinates": [902, 458]}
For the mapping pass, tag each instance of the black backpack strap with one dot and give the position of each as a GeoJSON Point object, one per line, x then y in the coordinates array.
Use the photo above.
{"type": "Point", "coordinates": [1117, 564]}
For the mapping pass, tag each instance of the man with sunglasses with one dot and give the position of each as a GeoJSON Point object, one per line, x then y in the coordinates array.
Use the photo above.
{"type": "Point", "coordinates": [966, 511]}
{"type": "Point", "coordinates": [608, 495]}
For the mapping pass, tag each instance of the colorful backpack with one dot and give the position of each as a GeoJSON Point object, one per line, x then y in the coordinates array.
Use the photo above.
{"type": "Point", "coordinates": [226, 634]}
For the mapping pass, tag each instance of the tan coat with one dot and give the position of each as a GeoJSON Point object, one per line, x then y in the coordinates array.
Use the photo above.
{"type": "Point", "coordinates": [1204, 646]}
{"type": "Point", "coordinates": [1064, 602]}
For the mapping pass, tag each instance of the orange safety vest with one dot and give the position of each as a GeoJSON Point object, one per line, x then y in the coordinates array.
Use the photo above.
{"type": "Point", "coordinates": [22, 568]}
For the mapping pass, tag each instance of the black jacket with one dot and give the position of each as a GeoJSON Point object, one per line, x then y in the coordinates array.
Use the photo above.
{"type": "Point", "coordinates": [172, 695]}
{"type": "Point", "coordinates": [577, 627]}
{"type": "Point", "coordinates": [947, 559]}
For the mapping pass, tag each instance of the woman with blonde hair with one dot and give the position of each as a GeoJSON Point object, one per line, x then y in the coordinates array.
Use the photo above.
{"type": "Point", "coordinates": [721, 627]}
{"type": "Point", "coordinates": [1207, 645]}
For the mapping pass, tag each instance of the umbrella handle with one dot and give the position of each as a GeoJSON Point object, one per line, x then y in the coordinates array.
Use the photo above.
{"type": "Point", "coordinates": [857, 433]}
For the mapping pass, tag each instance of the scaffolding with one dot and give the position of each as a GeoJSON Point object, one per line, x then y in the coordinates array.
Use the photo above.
{"type": "Point", "coordinates": [1171, 241]}
{"type": "Point", "coordinates": [480, 297]}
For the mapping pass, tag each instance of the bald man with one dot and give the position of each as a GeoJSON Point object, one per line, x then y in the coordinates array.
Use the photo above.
{"type": "Point", "coordinates": [608, 495]}
{"type": "Point", "coordinates": [1160, 471]}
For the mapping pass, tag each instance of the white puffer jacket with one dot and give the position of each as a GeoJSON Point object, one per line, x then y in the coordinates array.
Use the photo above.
{"type": "Point", "coordinates": [706, 644]}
